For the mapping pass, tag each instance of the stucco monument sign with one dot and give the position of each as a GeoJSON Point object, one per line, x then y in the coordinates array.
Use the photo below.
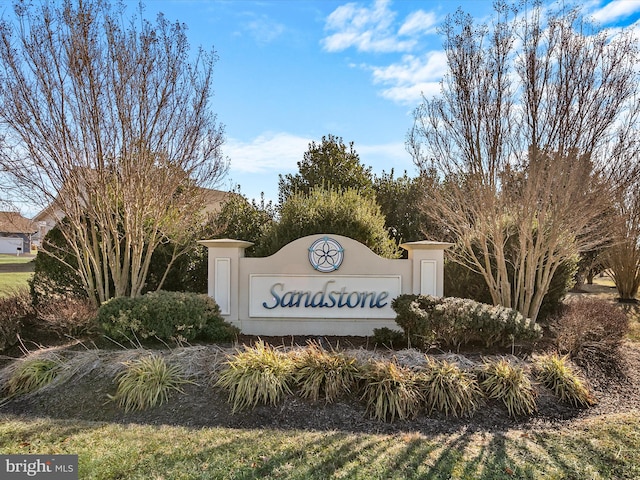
{"type": "Point", "coordinates": [322, 284]}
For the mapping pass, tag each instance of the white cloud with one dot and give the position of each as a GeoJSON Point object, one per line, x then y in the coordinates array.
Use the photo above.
{"type": "Point", "coordinates": [385, 157]}
{"type": "Point", "coordinates": [419, 22]}
{"type": "Point", "coordinates": [616, 10]}
{"type": "Point", "coordinates": [263, 29]}
{"type": "Point", "coordinates": [269, 152]}
{"type": "Point", "coordinates": [411, 94]}
{"type": "Point", "coordinates": [413, 76]}
{"type": "Point", "coordinates": [373, 29]}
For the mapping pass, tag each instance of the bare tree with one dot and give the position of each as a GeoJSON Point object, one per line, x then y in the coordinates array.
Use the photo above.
{"type": "Point", "coordinates": [110, 122]}
{"type": "Point", "coordinates": [622, 258]}
{"type": "Point", "coordinates": [519, 138]}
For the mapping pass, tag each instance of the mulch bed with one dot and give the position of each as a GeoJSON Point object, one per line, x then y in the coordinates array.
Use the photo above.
{"type": "Point", "coordinates": [86, 397]}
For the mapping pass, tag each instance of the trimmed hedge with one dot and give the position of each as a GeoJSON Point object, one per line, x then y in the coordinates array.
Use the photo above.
{"type": "Point", "coordinates": [170, 316]}
{"type": "Point", "coordinates": [448, 321]}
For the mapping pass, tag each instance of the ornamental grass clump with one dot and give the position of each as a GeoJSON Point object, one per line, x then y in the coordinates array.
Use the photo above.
{"type": "Point", "coordinates": [509, 383]}
{"type": "Point", "coordinates": [555, 373]}
{"type": "Point", "coordinates": [32, 374]}
{"type": "Point", "coordinates": [259, 374]}
{"type": "Point", "coordinates": [323, 373]}
{"type": "Point", "coordinates": [390, 391]}
{"type": "Point", "coordinates": [448, 389]}
{"type": "Point", "coordinates": [146, 383]}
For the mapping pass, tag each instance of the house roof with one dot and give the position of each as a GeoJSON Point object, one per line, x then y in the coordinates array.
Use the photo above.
{"type": "Point", "coordinates": [213, 200]}
{"type": "Point", "coordinates": [13, 222]}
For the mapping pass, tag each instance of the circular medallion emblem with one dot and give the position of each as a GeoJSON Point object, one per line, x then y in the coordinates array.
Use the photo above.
{"type": "Point", "coordinates": [326, 255]}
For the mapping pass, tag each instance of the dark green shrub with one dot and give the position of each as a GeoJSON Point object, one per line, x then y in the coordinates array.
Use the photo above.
{"type": "Point", "coordinates": [55, 270]}
{"type": "Point", "coordinates": [386, 337]}
{"type": "Point", "coordinates": [170, 316]}
{"type": "Point", "coordinates": [401, 201]}
{"type": "Point", "coordinates": [174, 280]}
{"type": "Point", "coordinates": [328, 164]}
{"type": "Point", "coordinates": [242, 219]}
{"type": "Point", "coordinates": [324, 211]}
{"type": "Point", "coordinates": [454, 322]}
{"type": "Point", "coordinates": [562, 281]}
{"type": "Point", "coordinates": [462, 282]}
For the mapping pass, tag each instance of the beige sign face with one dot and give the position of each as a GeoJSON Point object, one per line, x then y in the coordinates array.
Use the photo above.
{"type": "Point", "coordinates": [322, 284]}
{"type": "Point", "coordinates": [323, 296]}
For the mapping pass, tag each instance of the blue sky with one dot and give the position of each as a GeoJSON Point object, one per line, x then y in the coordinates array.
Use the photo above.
{"type": "Point", "coordinates": [292, 71]}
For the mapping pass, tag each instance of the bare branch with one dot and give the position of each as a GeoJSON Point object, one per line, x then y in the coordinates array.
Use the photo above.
{"type": "Point", "coordinates": [112, 124]}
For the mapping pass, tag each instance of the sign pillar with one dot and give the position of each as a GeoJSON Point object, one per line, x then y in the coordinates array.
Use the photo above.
{"type": "Point", "coordinates": [223, 268]}
{"type": "Point", "coordinates": [427, 260]}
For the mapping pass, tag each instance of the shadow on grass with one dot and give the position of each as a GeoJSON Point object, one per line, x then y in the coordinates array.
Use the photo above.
{"type": "Point", "coordinates": [143, 451]}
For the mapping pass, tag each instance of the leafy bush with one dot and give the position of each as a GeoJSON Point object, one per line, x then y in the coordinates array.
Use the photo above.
{"type": "Point", "coordinates": [501, 380]}
{"type": "Point", "coordinates": [328, 164]}
{"type": "Point", "coordinates": [389, 338]}
{"type": "Point", "coordinates": [556, 374]}
{"type": "Point", "coordinates": [449, 389]}
{"type": "Point", "coordinates": [390, 391]}
{"type": "Point", "coordinates": [319, 372]}
{"type": "Point", "coordinates": [591, 332]}
{"type": "Point", "coordinates": [14, 311]}
{"type": "Point", "coordinates": [450, 321]}
{"type": "Point", "coordinates": [55, 270]}
{"type": "Point", "coordinates": [146, 382]}
{"type": "Point", "coordinates": [461, 281]}
{"type": "Point", "coordinates": [259, 374]}
{"type": "Point", "coordinates": [181, 276]}
{"type": "Point", "coordinates": [246, 220]}
{"type": "Point", "coordinates": [170, 316]}
{"type": "Point", "coordinates": [401, 202]}
{"type": "Point", "coordinates": [32, 374]}
{"type": "Point", "coordinates": [324, 211]}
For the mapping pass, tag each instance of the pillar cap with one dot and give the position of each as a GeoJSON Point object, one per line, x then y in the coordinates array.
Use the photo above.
{"type": "Point", "coordinates": [225, 243]}
{"type": "Point", "coordinates": [426, 245]}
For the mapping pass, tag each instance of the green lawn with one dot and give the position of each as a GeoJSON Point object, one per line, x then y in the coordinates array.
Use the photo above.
{"type": "Point", "coordinates": [11, 281]}
{"type": "Point", "coordinates": [12, 259]}
{"type": "Point", "coordinates": [606, 448]}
